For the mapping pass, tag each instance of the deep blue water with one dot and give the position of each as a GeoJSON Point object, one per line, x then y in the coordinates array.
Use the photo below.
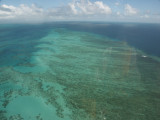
{"type": "Point", "coordinates": [19, 41]}
{"type": "Point", "coordinates": [145, 37]}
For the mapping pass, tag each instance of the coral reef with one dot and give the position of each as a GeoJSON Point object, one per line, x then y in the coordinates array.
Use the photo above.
{"type": "Point", "coordinates": [79, 76]}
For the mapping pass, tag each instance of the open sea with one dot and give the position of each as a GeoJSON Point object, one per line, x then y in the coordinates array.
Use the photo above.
{"type": "Point", "coordinates": [80, 71]}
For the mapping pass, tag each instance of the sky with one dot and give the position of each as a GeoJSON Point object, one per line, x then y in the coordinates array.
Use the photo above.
{"type": "Point", "coordinates": [35, 11]}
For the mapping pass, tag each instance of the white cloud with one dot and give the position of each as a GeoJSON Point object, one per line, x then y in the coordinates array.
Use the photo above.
{"type": "Point", "coordinates": [76, 10]}
{"type": "Point", "coordinates": [73, 8]}
{"type": "Point", "coordinates": [117, 3]}
{"type": "Point", "coordinates": [89, 8]}
{"type": "Point", "coordinates": [129, 10]}
{"type": "Point", "coordinates": [102, 7]}
{"type": "Point", "coordinates": [118, 13]}
{"type": "Point", "coordinates": [145, 16]}
{"type": "Point", "coordinates": [22, 12]}
{"type": "Point", "coordinates": [6, 11]}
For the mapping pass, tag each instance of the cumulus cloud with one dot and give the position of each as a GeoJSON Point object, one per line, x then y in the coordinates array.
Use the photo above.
{"type": "Point", "coordinates": [85, 7]}
{"type": "Point", "coordinates": [129, 10]}
{"type": "Point", "coordinates": [117, 3]}
{"type": "Point", "coordinates": [22, 12]}
{"type": "Point", "coordinates": [5, 11]}
{"type": "Point", "coordinates": [102, 7]}
{"type": "Point", "coordinates": [118, 13]}
{"type": "Point", "coordinates": [145, 16]}
{"type": "Point", "coordinates": [73, 10]}
{"type": "Point", "coordinates": [76, 9]}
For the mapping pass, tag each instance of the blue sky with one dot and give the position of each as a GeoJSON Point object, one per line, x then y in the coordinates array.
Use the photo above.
{"type": "Point", "coordinates": [80, 10]}
{"type": "Point", "coordinates": [42, 3]}
{"type": "Point", "coordinates": [153, 5]}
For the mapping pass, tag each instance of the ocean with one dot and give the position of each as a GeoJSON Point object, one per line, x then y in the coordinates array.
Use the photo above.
{"type": "Point", "coordinates": [80, 71]}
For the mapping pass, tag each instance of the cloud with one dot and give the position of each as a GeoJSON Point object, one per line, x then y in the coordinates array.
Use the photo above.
{"type": "Point", "coordinates": [85, 7]}
{"type": "Point", "coordinates": [102, 7]}
{"type": "Point", "coordinates": [74, 10]}
{"type": "Point", "coordinates": [6, 11]}
{"type": "Point", "coordinates": [117, 3]}
{"type": "Point", "coordinates": [145, 16]}
{"type": "Point", "coordinates": [129, 10]}
{"type": "Point", "coordinates": [21, 13]}
{"type": "Point", "coordinates": [5, 8]}
{"type": "Point", "coordinates": [118, 13]}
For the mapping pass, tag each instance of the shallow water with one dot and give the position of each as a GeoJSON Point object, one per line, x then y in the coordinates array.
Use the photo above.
{"type": "Point", "coordinates": [50, 72]}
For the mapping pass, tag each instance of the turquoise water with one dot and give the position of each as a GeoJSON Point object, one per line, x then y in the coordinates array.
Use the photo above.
{"type": "Point", "coordinates": [55, 73]}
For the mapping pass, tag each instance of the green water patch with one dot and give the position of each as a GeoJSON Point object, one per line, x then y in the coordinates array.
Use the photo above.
{"type": "Point", "coordinates": [33, 108]}
{"type": "Point", "coordinates": [81, 76]}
